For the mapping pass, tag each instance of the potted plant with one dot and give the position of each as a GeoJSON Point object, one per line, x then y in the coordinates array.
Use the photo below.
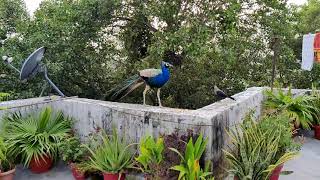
{"type": "Point", "coordinates": [35, 138]}
{"type": "Point", "coordinates": [282, 127]}
{"type": "Point", "coordinates": [300, 109]}
{"type": "Point", "coordinates": [150, 157]}
{"type": "Point", "coordinates": [112, 156]}
{"type": "Point", "coordinates": [7, 168]}
{"type": "Point", "coordinates": [74, 154]}
{"type": "Point", "coordinates": [258, 152]}
{"type": "Point", "coordinates": [316, 103]}
{"type": "Point", "coordinates": [189, 167]}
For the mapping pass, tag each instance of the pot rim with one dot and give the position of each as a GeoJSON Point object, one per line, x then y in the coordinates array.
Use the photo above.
{"type": "Point", "coordinates": [8, 172]}
{"type": "Point", "coordinates": [113, 173]}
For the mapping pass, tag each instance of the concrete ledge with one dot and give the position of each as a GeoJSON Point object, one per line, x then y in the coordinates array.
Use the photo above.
{"type": "Point", "coordinates": [135, 120]}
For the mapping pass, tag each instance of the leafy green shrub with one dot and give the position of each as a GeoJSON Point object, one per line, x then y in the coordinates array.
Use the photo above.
{"type": "Point", "coordinates": [257, 151]}
{"type": "Point", "coordinates": [112, 155]}
{"type": "Point", "coordinates": [151, 155]}
{"type": "Point", "coordinates": [34, 136]}
{"type": "Point", "coordinates": [300, 109]}
{"type": "Point", "coordinates": [72, 151]}
{"type": "Point", "coordinates": [190, 168]}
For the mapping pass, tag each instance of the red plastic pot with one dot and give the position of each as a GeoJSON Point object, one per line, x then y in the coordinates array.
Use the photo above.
{"type": "Point", "coordinates": [317, 131]}
{"type": "Point", "coordinates": [276, 173]}
{"type": "Point", "coordinates": [76, 172]}
{"type": "Point", "coordinates": [43, 164]}
{"type": "Point", "coordinates": [8, 175]}
{"type": "Point", "coordinates": [109, 176]}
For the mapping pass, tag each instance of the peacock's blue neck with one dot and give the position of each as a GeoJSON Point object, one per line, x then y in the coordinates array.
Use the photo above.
{"type": "Point", "coordinates": [161, 79]}
{"type": "Point", "coordinates": [165, 71]}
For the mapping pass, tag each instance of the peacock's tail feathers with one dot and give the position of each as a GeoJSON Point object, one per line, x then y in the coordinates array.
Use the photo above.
{"type": "Point", "coordinates": [123, 89]}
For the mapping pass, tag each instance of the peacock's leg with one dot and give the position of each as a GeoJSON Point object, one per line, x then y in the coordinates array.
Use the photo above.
{"type": "Point", "coordinates": [144, 94]}
{"type": "Point", "coordinates": [158, 95]}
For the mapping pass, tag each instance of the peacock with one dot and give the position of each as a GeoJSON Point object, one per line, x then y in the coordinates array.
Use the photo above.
{"type": "Point", "coordinates": [152, 78]}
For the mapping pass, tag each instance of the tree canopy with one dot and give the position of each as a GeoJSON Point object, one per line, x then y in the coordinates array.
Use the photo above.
{"type": "Point", "coordinates": [95, 44]}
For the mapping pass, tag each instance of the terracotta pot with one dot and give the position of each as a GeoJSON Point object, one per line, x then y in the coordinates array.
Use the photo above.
{"type": "Point", "coordinates": [317, 131]}
{"type": "Point", "coordinates": [276, 173]}
{"type": "Point", "coordinates": [109, 176]}
{"type": "Point", "coordinates": [42, 165]}
{"type": "Point", "coordinates": [76, 172]}
{"type": "Point", "coordinates": [8, 175]}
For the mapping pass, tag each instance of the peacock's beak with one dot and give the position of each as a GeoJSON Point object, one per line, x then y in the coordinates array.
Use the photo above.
{"type": "Point", "coordinates": [170, 65]}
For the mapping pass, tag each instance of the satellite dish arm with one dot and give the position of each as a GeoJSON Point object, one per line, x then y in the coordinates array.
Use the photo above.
{"type": "Point", "coordinates": [8, 61]}
{"type": "Point", "coordinates": [51, 83]}
{"type": "Point", "coordinates": [12, 67]}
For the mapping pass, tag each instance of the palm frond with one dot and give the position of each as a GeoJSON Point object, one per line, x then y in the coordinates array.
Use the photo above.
{"type": "Point", "coordinates": [33, 136]}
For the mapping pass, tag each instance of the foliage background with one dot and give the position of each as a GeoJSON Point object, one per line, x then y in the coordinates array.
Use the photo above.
{"type": "Point", "coordinates": [95, 44]}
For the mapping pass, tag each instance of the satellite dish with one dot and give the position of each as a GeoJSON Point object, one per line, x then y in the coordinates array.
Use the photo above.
{"type": "Point", "coordinates": [32, 66]}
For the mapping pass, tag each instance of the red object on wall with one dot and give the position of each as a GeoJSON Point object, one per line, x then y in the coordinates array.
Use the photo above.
{"type": "Point", "coordinates": [316, 47]}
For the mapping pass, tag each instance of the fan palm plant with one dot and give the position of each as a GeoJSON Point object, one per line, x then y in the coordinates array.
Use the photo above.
{"type": "Point", "coordinates": [35, 136]}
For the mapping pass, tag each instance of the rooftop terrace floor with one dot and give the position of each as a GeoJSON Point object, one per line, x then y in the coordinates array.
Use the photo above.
{"type": "Point", "coordinates": [307, 165]}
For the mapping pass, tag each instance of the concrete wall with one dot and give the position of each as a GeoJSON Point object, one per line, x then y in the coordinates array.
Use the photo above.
{"type": "Point", "coordinates": [136, 120]}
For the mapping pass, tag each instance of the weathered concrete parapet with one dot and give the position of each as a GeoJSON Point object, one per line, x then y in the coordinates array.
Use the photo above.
{"type": "Point", "coordinates": [137, 120]}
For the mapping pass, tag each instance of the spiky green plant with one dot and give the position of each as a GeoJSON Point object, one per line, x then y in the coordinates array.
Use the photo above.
{"type": "Point", "coordinates": [113, 155]}
{"type": "Point", "coordinates": [190, 168]}
{"type": "Point", "coordinates": [300, 109]}
{"type": "Point", "coordinates": [254, 152]}
{"type": "Point", "coordinates": [151, 154]}
{"type": "Point", "coordinates": [281, 126]}
{"type": "Point", "coordinates": [6, 161]}
{"type": "Point", "coordinates": [3, 96]}
{"type": "Point", "coordinates": [35, 136]}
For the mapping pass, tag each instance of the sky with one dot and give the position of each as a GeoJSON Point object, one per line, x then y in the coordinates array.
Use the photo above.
{"type": "Point", "coordinates": [298, 2]}
{"type": "Point", "coordinates": [32, 5]}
